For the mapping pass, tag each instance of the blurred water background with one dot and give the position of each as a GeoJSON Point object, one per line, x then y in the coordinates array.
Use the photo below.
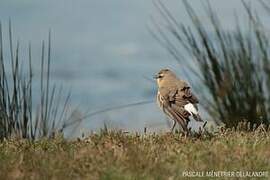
{"type": "Point", "coordinates": [102, 50]}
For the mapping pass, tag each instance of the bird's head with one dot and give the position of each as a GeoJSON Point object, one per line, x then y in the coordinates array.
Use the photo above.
{"type": "Point", "coordinates": [164, 74]}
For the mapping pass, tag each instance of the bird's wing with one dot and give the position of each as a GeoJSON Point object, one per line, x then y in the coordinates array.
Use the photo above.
{"type": "Point", "coordinates": [168, 94]}
{"type": "Point", "coordinates": [189, 100]}
{"type": "Point", "coordinates": [171, 108]}
{"type": "Point", "coordinates": [184, 93]}
{"type": "Point", "coordinates": [190, 96]}
{"type": "Point", "coordinates": [176, 114]}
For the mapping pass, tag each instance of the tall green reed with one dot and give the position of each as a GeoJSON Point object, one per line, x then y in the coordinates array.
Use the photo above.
{"type": "Point", "coordinates": [20, 116]}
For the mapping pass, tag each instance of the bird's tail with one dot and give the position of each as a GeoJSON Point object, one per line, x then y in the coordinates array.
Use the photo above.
{"type": "Point", "coordinates": [197, 117]}
{"type": "Point", "coordinates": [193, 111]}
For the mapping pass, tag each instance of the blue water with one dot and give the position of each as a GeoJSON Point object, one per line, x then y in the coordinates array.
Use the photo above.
{"type": "Point", "coordinates": [102, 51]}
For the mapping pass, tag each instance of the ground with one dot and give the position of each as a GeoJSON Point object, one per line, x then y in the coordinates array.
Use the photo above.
{"type": "Point", "coordinates": [117, 155]}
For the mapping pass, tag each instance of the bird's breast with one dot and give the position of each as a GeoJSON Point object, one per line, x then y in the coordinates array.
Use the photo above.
{"type": "Point", "coordinates": [159, 100]}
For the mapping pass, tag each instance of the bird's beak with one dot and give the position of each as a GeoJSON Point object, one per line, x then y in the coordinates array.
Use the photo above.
{"type": "Point", "coordinates": [156, 76]}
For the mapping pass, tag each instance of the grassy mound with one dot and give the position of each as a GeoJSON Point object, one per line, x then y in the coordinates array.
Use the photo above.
{"type": "Point", "coordinates": [116, 155]}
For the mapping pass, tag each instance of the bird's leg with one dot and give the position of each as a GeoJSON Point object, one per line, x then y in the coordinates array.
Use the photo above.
{"type": "Point", "coordinates": [187, 133]}
{"type": "Point", "coordinates": [173, 126]}
{"type": "Point", "coordinates": [204, 124]}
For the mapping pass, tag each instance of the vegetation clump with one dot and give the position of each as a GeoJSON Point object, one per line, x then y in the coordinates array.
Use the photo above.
{"type": "Point", "coordinates": [21, 114]}
{"type": "Point", "coordinates": [118, 155]}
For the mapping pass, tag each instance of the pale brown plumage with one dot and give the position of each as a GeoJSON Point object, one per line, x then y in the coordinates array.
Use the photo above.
{"type": "Point", "coordinates": [175, 98]}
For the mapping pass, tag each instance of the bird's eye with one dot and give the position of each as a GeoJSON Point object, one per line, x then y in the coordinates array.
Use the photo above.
{"type": "Point", "coordinates": [160, 76]}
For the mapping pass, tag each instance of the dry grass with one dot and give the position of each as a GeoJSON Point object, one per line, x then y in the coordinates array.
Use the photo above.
{"type": "Point", "coordinates": [115, 155]}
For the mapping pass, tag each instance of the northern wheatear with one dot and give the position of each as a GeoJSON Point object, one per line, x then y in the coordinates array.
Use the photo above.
{"type": "Point", "coordinates": [175, 98]}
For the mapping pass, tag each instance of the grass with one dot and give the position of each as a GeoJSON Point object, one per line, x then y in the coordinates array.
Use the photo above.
{"type": "Point", "coordinates": [116, 155]}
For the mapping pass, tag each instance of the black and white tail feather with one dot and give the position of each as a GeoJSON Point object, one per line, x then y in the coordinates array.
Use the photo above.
{"type": "Point", "coordinates": [192, 109]}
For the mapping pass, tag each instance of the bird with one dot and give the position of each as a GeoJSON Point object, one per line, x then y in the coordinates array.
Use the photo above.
{"type": "Point", "coordinates": [176, 100]}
